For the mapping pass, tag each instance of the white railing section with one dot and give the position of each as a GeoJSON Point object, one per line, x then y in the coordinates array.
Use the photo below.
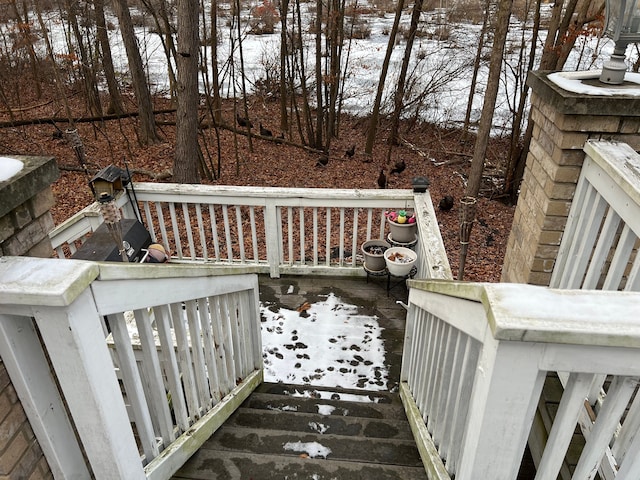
{"type": "Point", "coordinates": [165, 352]}
{"type": "Point", "coordinates": [599, 250]}
{"type": "Point", "coordinates": [280, 230]}
{"type": "Point", "coordinates": [601, 240]}
{"type": "Point", "coordinates": [475, 360]}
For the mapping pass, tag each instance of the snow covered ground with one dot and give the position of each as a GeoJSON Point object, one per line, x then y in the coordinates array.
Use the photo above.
{"type": "Point", "coordinates": [327, 343]}
{"type": "Point", "coordinates": [442, 69]}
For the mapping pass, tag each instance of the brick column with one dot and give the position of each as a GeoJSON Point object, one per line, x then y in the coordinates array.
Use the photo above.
{"type": "Point", "coordinates": [562, 123]}
{"type": "Point", "coordinates": [25, 223]}
{"type": "Point", "coordinates": [25, 200]}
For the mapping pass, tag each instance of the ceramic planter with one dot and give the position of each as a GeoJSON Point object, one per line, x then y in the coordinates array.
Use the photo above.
{"type": "Point", "coordinates": [400, 260]}
{"type": "Point", "coordinates": [373, 252]}
{"type": "Point", "coordinates": [402, 232]}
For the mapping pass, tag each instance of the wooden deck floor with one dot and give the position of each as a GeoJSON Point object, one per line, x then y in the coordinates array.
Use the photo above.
{"type": "Point", "coordinates": [370, 295]}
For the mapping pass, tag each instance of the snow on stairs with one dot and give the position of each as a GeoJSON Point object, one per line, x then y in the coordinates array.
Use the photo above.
{"type": "Point", "coordinates": [294, 432]}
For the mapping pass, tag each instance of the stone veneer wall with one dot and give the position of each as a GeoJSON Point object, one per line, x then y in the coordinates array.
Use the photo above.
{"type": "Point", "coordinates": [563, 122]}
{"type": "Point", "coordinates": [25, 223]}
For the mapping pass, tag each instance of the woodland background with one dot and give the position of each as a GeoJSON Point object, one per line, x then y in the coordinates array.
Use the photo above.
{"type": "Point", "coordinates": [77, 81]}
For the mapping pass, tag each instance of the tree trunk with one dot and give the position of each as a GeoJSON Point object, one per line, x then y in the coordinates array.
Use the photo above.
{"type": "Point", "coordinates": [56, 73]}
{"type": "Point", "coordinates": [551, 59]}
{"type": "Point", "coordinates": [335, 25]}
{"type": "Point", "coordinates": [510, 187]}
{"type": "Point", "coordinates": [284, 54]}
{"type": "Point", "coordinates": [215, 78]}
{"type": "Point", "coordinates": [306, 109]}
{"type": "Point", "coordinates": [86, 61]}
{"type": "Point", "coordinates": [399, 95]}
{"type": "Point", "coordinates": [242, 72]}
{"type": "Point", "coordinates": [165, 33]}
{"type": "Point", "coordinates": [115, 98]}
{"type": "Point", "coordinates": [476, 68]}
{"type": "Point", "coordinates": [486, 121]}
{"type": "Point", "coordinates": [147, 134]}
{"type": "Point", "coordinates": [25, 31]}
{"type": "Point", "coordinates": [375, 112]}
{"type": "Point", "coordinates": [491, 93]}
{"type": "Point", "coordinates": [317, 143]}
{"type": "Point", "coordinates": [185, 164]}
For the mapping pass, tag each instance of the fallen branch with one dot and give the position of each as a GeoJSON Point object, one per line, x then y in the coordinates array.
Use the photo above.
{"type": "Point", "coordinates": [55, 120]}
{"type": "Point", "coordinates": [156, 176]}
{"type": "Point", "coordinates": [230, 128]}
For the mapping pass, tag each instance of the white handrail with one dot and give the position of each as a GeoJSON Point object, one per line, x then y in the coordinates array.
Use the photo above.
{"type": "Point", "coordinates": [602, 236]}
{"type": "Point", "coordinates": [184, 341]}
{"type": "Point", "coordinates": [476, 357]}
{"type": "Point", "coordinates": [279, 230]}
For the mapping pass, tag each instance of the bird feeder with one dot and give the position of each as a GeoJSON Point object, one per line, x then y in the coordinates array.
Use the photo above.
{"type": "Point", "coordinates": [107, 182]}
{"type": "Point", "coordinates": [622, 25]}
{"type": "Point", "coordinates": [104, 186]}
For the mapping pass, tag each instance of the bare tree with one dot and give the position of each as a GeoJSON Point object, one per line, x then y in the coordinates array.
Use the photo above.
{"type": "Point", "coordinates": [559, 42]}
{"type": "Point", "coordinates": [375, 111]}
{"type": "Point", "coordinates": [399, 94]}
{"type": "Point", "coordinates": [165, 32]}
{"type": "Point", "coordinates": [185, 164]}
{"type": "Point", "coordinates": [115, 98]}
{"type": "Point", "coordinates": [56, 71]}
{"type": "Point", "coordinates": [147, 134]}
{"type": "Point", "coordinates": [476, 65]}
{"type": "Point", "coordinates": [284, 55]}
{"type": "Point", "coordinates": [24, 27]}
{"type": "Point", "coordinates": [317, 141]}
{"type": "Point", "coordinates": [87, 68]}
{"type": "Point", "coordinates": [486, 118]}
{"type": "Point", "coordinates": [335, 34]}
{"type": "Point", "coordinates": [516, 131]}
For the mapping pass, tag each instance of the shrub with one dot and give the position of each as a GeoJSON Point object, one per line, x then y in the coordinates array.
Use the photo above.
{"type": "Point", "coordinates": [264, 18]}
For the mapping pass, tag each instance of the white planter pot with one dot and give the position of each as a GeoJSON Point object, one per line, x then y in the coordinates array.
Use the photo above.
{"type": "Point", "coordinates": [400, 260]}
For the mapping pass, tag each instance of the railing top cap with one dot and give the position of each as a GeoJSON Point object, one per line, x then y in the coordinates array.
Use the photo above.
{"type": "Point", "coordinates": [168, 189]}
{"type": "Point", "coordinates": [620, 162]}
{"type": "Point", "coordinates": [529, 313]}
{"type": "Point", "coordinates": [43, 281]}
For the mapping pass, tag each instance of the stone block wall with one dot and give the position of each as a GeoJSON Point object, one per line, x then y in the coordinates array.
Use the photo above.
{"type": "Point", "coordinates": [25, 223]}
{"type": "Point", "coordinates": [563, 122]}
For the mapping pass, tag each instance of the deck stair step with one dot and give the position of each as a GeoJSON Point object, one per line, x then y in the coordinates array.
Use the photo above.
{"type": "Point", "coordinates": [285, 431]}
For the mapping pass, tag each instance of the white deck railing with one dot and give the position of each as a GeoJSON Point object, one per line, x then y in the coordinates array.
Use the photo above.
{"type": "Point", "coordinates": [167, 353]}
{"type": "Point", "coordinates": [599, 251]}
{"type": "Point", "coordinates": [601, 240]}
{"type": "Point", "coordinates": [475, 360]}
{"type": "Point", "coordinates": [279, 230]}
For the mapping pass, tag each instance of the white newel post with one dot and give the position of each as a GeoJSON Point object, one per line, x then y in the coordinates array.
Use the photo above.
{"type": "Point", "coordinates": [504, 398]}
{"type": "Point", "coordinates": [273, 238]}
{"type": "Point", "coordinates": [27, 365]}
{"type": "Point", "coordinates": [75, 341]}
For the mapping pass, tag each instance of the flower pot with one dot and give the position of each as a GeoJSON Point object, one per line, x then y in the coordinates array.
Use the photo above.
{"type": "Point", "coordinates": [373, 252]}
{"type": "Point", "coordinates": [400, 260]}
{"type": "Point", "coordinates": [402, 232]}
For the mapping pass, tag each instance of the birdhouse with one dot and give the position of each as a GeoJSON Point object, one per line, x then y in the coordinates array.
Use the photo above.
{"type": "Point", "coordinates": [107, 182]}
